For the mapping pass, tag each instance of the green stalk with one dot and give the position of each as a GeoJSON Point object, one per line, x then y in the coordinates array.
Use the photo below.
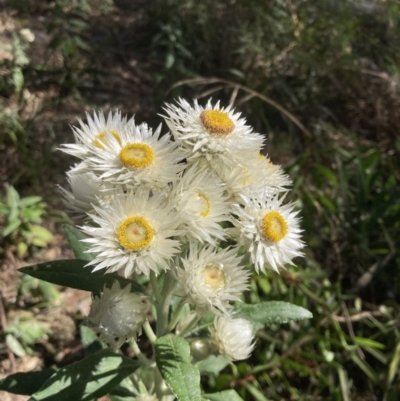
{"type": "Point", "coordinates": [164, 304]}
{"type": "Point", "coordinates": [142, 358]}
{"type": "Point", "coordinates": [149, 333]}
{"type": "Point", "coordinates": [176, 315]}
{"type": "Point", "coordinates": [189, 326]}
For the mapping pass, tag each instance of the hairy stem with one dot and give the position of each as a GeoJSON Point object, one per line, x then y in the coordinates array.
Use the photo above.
{"type": "Point", "coordinates": [142, 358]}
{"type": "Point", "coordinates": [176, 315]}
{"type": "Point", "coordinates": [189, 326]}
{"type": "Point", "coordinates": [164, 304]}
{"type": "Point", "coordinates": [149, 333]}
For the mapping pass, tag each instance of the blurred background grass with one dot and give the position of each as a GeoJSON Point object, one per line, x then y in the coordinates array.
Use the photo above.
{"type": "Point", "coordinates": [320, 78]}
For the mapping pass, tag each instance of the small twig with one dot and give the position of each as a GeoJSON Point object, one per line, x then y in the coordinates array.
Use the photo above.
{"type": "Point", "coordinates": [234, 95]}
{"type": "Point", "coordinates": [3, 322]}
{"type": "Point", "coordinates": [366, 278]}
{"type": "Point", "coordinates": [295, 18]}
{"type": "Point", "coordinates": [351, 331]}
{"type": "Point", "coordinates": [357, 317]}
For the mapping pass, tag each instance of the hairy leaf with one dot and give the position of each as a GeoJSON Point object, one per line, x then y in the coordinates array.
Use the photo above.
{"type": "Point", "coordinates": [174, 362]}
{"type": "Point", "coordinates": [272, 312]}
{"type": "Point", "coordinates": [88, 379]}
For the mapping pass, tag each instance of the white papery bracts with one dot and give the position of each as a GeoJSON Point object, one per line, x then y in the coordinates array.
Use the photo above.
{"type": "Point", "coordinates": [117, 315]}
{"type": "Point", "coordinates": [233, 338]}
{"type": "Point", "coordinates": [210, 280]}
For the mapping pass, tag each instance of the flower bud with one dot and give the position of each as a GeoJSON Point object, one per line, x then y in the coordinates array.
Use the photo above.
{"type": "Point", "coordinates": [117, 315]}
{"type": "Point", "coordinates": [200, 349]}
{"type": "Point", "coordinates": [233, 337]}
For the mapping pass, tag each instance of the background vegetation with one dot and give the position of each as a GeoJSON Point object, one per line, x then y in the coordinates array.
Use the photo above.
{"type": "Point", "coordinates": [320, 78]}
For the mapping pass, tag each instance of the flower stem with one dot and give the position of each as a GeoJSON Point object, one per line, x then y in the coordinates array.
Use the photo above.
{"type": "Point", "coordinates": [149, 332]}
{"type": "Point", "coordinates": [176, 315]}
{"type": "Point", "coordinates": [154, 286]}
{"type": "Point", "coordinates": [142, 358]}
{"type": "Point", "coordinates": [164, 304]}
{"type": "Point", "coordinates": [189, 326]}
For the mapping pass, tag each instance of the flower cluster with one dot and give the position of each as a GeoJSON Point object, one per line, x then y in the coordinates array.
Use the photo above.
{"type": "Point", "coordinates": [196, 201]}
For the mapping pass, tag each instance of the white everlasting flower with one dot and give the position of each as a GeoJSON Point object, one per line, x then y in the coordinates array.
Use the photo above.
{"type": "Point", "coordinates": [273, 175]}
{"type": "Point", "coordinates": [211, 279]}
{"type": "Point", "coordinates": [117, 315]}
{"type": "Point", "coordinates": [121, 153]}
{"type": "Point", "coordinates": [256, 175]}
{"type": "Point", "coordinates": [134, 233]}
{"type": "Point", "coordinates": [86, 191]}
{"type": "Point", "coordinates": [268, 230]}
{"type": "Point", "coordinates": [97, 132]}
{"type": "Point", "coordinates": [200, 199]}
{"type": "Point", "coordinates": [233, 337]}
{"type": "Point", "coordinates": [140, 157]}
{"type": "Point", "coordinates": [212, 132]}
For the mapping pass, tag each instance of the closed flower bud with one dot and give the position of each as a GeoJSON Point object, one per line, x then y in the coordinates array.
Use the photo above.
{"type": "Point", "coordinates": [233, 338]}
{"type": "Point", "coordinates": [117, 315]}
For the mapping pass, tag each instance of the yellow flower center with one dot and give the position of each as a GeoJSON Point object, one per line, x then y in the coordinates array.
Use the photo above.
{"type": "Point", "coordinates": [135, 233]}
{"type": "Point", "coordinates": [214, 276]}
{"type": "Point", "coordinates": [100, 139]}
{"type": "Point", "coordinates": [217, 122]}
{"type": "Point", "coordinates": [274, 226]}
{"type": "Point", "coordinates": [206, 205]}
{"type": "Point", "coordinates": [137, 155]}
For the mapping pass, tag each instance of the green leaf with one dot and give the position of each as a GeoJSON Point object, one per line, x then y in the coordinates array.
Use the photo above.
{"type": "Point", "coordinates": [15, 346]}
{"type": "Point", "coordinates": [22, 248]}
{"type": "Point", "coordinates": [74, 238]}
{"type": "Point", "coordinates": [18, 78]}
{"type": "Point", "coordinates": [394, 365]}
{"type": "Point", "coordinates": [41, 236]}
{"type": "Point", "coordinates": [11, 226]}
{"type": "Point", "coordinates": [12, 196]}
{"type": "Point", "coordinates": [48, 292]}
{"type": "Point", "coordinates": [88, 379]}
{"type": "Point", "coordinates": [29, 201]}
{"type": "Point", "coordinates": [89, 340]}
{"type": "Point", "coordinates": [212, 365]}
{"type": "Point", "coordinates": [72, 273]}
{"type": "Point", "coordinates": [125, 391]}
{"type": "Point", "coordinates": [174, 362]}
{"type": "Point", "coordinates": [267, 313]}
{"type": "Point", "coordinates": [228, 395]}
{"type": "Point", "coordinates": [368, 342]}
{"type": "Point", "coordinates": [327, 173]}
{"type": "Point", "coordinates": [26, 383]}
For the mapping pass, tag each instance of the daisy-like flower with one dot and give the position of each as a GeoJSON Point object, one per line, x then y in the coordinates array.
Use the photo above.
{"type": "Point", "coordinates": [256, 175]}
{"type": "Point", "coordinates": [117, 315]}
{"type": "Point", "coordinates": [273, 175]}
{"type": "Point", "coordinates": [212, 132]}
{"type": "Point", "coordinates": [140, 157]}
{"type": "Point", "coordinates": [211, 279]}
{"type": "Point", "coordinates": [86, 191]}
{"type": "Point", "coordinates": [233, 338]}
{"type": "Point", "coordinates": [268, 230]}
{"type": "Point", "coordinates": [97, 132]}
{"type": "Point", "coordinates": [131, 156]}
{"type": "Point", "coordinates": [134, 233]}
{"type": "Point", "coordinates": [200, 199]}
